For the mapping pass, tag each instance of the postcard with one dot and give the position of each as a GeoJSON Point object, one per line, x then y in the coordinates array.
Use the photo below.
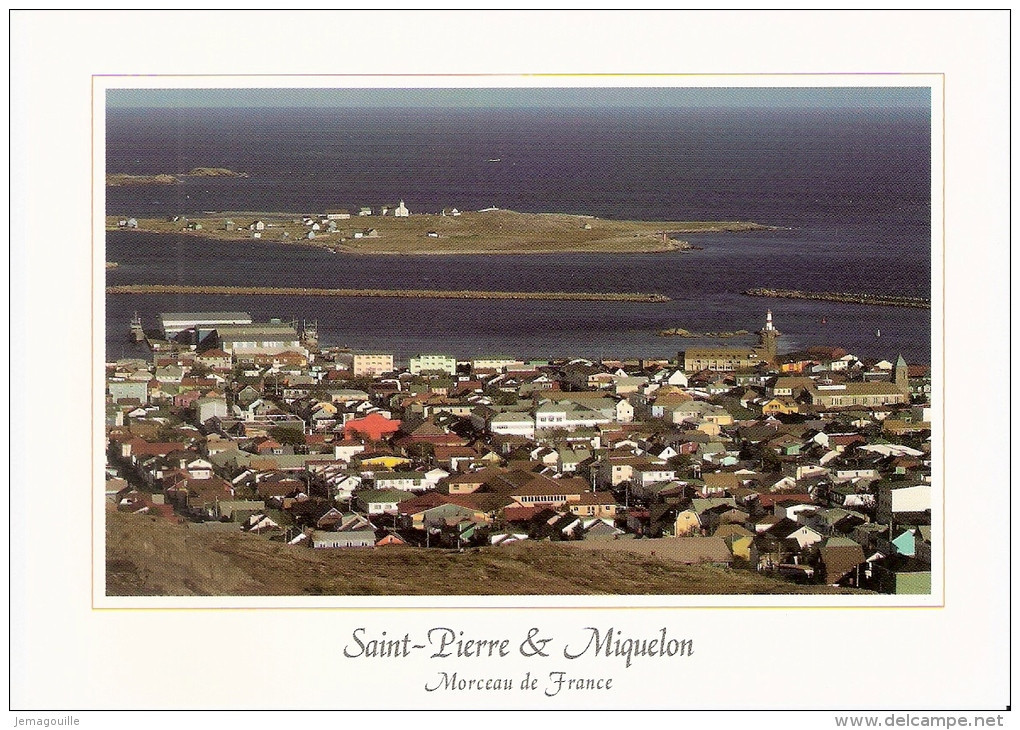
{"type": "Point", "coordinates": [511, 391]}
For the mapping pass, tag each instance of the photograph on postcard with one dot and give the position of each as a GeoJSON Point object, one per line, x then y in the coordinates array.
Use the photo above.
{"type": "Point", "coordinates": [444, 339]}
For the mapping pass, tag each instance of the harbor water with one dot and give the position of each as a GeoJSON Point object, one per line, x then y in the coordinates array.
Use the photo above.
{"type": "Point", "coordinates": [847, 190]}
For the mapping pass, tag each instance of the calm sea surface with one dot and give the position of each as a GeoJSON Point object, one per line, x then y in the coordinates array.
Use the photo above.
{"type": "Point", "coordinates": [850, 189]}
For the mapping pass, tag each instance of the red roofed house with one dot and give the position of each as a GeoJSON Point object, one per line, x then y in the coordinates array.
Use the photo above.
{"type": "Point", "coordinates": [553, 492]}
{"type": "Point", "coordinates": [137, 448]}
{"type": "Point", "coordinates": [216, 359]}
{"type": "Point", "coordinates": [374, 426]}
{"type": "Point", "coordinates": [199, 494]}
{"type": "Point", "coordinates": [429, 433]}
{"type": "Point", "coordinates": [416, 507]}
{"type": "Point", "coordinates": [187, 398]}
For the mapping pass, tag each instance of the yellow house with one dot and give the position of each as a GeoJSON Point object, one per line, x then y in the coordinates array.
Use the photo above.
{"type": "Point", "coordinates": [385, 461]}
{"type": "Point", "coordinates": [719, 417]}
{"type": "Point", "coordinates": [779, 405]}
{"type": "Point", "coordinates": [687, 523]}
{"type": "Point", "coordinates": [711, 429]}
{"type": "Point", "coordinates": [738, 538]}
{"type": "Point", "coordinates": [594, 504]}
{"type": "Point", "coordinates": [741, 547]}
{"type": "Point", "coordinates": [470, 482]}
{"type": "Point", "coordinates": [798, 366]}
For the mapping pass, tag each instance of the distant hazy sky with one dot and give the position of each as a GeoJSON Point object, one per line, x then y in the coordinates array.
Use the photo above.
{"type": "Point", "coordinates": [651, 97]}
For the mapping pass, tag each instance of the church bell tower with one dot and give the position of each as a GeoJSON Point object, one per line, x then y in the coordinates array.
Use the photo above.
{"type": "Point", "coordinates": [900, 376]}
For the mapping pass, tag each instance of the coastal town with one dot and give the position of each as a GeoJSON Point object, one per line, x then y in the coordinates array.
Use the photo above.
{"type": "Point", "coordinates": [811, 467]}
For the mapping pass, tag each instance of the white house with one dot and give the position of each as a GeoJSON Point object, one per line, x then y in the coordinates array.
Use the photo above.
{"type": "Point", "coordinates": [344, 486]}
{"type": "Point", "coordinates": [896, 500]}
{"type": "Point", "coordinates": [805, 536]}
{"type": "Point", "coordinates": [511, 423]}
{"type": "Point", "coordinates": [678, 378]}
{"type": "Point", "coordinates": [411, 481]}
{"type": "Point", "coordinates": [207, 408]}
{"type": "Point", "coordinates": [432, 363]}
{"type": "Point", "coordinates": [568, 416]}
{"type": "Point", "coordinates": [346, 538]}
{"type": "Point", "coordinates": [624, 411]}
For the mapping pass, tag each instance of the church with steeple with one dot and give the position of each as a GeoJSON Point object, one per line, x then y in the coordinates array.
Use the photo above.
{"type": "Point", "coordinates": [728, 359]}
{"type": "Point", "coordinates": [900, 374]}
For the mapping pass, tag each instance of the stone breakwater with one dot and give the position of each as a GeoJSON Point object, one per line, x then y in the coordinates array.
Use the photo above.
{"type": "Point", "coordinates": [883, 300]}
{"type": "Point", "coordinates": [681, 332]}
{"type": "Point", "coordinates": [400, 293]}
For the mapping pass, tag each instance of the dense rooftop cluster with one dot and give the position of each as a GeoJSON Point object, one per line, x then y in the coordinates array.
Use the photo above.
{"type": "Point", "coordinates": [814, 466]}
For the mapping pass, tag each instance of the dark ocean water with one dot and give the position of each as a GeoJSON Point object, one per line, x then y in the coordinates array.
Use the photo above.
{"type": "Point", "coordinates": [850, 188]}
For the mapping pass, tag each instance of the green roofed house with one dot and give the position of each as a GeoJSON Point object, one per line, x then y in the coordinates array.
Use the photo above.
{"type": "Point", "coordinates": [343, 539]}
{"type": "Point", "coordinates": [238, 510]}
{"type": "Point", "coordinates": [903, 543]}
{"type": "Point", "coordinates": [903, 575]}
{"type": "Point", "coordinates": [447, 514]}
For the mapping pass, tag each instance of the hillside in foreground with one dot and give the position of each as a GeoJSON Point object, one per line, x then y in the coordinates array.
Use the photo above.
{"type": "Point", "coordinates": [149, 558]}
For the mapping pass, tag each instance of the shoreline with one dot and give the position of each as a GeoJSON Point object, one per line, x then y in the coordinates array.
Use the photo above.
{"type": "Point", "coordinates": [155, 289]}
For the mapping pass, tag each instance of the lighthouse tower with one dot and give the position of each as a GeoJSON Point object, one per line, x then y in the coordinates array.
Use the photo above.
{"type": "Point", "coordinates": [768, 340]}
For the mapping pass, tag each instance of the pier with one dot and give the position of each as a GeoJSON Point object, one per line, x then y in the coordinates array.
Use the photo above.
{"type": "Point", "coordinates": [398, 293]}
{"type": "Point", "coordinates": [882, 300]}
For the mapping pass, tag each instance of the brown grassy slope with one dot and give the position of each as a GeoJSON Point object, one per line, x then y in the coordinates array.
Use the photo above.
{"type": "Point", "coordinates": [145, 557]}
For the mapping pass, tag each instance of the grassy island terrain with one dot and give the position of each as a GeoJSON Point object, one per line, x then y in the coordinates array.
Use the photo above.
{"type": "Point", "coordinates": [482, 232]}
{"type": "Point", "coordinates": [149, 558]}
{"type": "Point", "coordinates": [121, 180]}
{"type": "Point", "coordinates": [117, 179]}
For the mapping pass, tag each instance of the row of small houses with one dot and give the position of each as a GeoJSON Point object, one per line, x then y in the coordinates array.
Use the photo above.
{"type": "Point", "coordinates": [796, 539]}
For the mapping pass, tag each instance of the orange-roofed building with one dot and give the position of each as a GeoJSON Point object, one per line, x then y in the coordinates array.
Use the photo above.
{"type": "Point", "coordinates": [374, 426]}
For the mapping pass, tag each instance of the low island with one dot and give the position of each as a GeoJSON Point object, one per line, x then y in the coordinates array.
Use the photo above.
{"type": "Point", "coordinates": [681, 332]}
{"type": "Point", "coordinates": [490, 231]}
{"type": "Point", "coordinates": [118, 179]}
